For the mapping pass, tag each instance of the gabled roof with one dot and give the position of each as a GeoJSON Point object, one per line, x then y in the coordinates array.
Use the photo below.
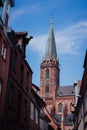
{"type": "Point", "coordinates": [40, 101]}
{"type": "Point", "coordinates": [50, 51]}
{"type": "Point", "coordinates": [36, 87]}
{"type": "Point", "coordinates": [65, 91]}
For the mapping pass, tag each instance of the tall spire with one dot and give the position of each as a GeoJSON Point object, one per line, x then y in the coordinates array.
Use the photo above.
{"type": "Point", "coordinates": [50, 51]}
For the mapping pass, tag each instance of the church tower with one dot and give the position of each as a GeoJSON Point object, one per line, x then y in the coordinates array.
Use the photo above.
{"type": "Point", "coordinates": [49, 69]}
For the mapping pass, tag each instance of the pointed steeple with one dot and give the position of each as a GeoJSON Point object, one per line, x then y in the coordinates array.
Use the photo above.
{"type": "Point", "coordinates": [50, 51]}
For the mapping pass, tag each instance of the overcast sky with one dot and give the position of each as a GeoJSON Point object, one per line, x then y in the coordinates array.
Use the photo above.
{"type": "Point", "coordinates": [70, 29]}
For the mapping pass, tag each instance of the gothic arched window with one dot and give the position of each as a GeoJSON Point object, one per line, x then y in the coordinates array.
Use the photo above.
{"type": "Point", "coordinates": [60, 106]}
{"type": "Point", "coordinates": [47, 74]}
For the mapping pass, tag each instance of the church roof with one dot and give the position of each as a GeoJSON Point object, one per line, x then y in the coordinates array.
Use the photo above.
{"type": "Point", "coordinates": [65, 91]}
{"type": "Point", "coordinates": [50, 51]}
{"type": "Point", "coordinates": [58, 118]}
{"type": "Point", "coordinates": [67, 119]}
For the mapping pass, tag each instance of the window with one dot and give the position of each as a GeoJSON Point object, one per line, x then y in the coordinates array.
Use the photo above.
{"type": "Point", "coordinates": [47, 74]}
{"type": "Point", "coordinates": [60, 106]}
{"type": "Point", "coordinates": [22, 73]}
{"type": "Point", "coordinates": [0, 86]}
{"type": "Point", "coordinates": [14, 61]}
{"type": "Point", "coordinates": [32, 111]}
{"type": "Point", "coordinates": [25, 109]}
{"type": "Point", "coordinates": [11, 95]}
{"type": "Point", "coordinates": [47, 88]}
{"type": "Point", "coordinates": [27, 81]}
{"type": "Point", "coordinates": [36, 116]}
{"type": "Point", "coordinates": [3, 51]}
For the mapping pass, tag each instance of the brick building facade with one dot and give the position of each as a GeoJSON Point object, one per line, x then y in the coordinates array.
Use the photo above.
{"type": "Point", "coordinates": [15, 81]}
{"type": "Point", "coordinates": [15, 75]}
{"type": "Point", "coordinates": [5, 53]}
{"type": "Point", "coordinates": [17, 93]}
{"type": "Point", "coordinates": [38, 118]}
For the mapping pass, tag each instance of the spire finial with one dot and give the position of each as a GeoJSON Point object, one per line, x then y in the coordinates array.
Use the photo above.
{"type": "Point", "coordinates": [51, 19]}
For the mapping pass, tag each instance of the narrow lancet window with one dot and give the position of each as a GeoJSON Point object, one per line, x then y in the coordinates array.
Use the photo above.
{"type": "Point", "coordinates": [47, 74]}
{"type": "Point", "coordinates": [60, 106]}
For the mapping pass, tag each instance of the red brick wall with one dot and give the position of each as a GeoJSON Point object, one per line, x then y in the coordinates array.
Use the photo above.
{"type": "Point", "coordinates": [4, 70]}
{"type": "Point", "coordinates": [53, 80]}
{"type": "Point", "coordinates": [14, 113]}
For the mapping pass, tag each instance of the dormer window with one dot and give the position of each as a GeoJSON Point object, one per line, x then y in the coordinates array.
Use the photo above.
{"type": "Point", "coordinates": [3, 51]}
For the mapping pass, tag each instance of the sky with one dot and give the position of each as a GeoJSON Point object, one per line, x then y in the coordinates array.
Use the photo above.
{"type": "Point", "coordinates": [70, 29]}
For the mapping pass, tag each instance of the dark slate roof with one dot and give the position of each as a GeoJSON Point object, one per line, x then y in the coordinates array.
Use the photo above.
{"type": "Point", "coordinates": [67, 119]}
{"type": "Point", "coordinates": [58, 118]}
{"type": "Point", "coordinates": [65, 91]}
{"type": "Point", "coordinates": [50, 51]}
